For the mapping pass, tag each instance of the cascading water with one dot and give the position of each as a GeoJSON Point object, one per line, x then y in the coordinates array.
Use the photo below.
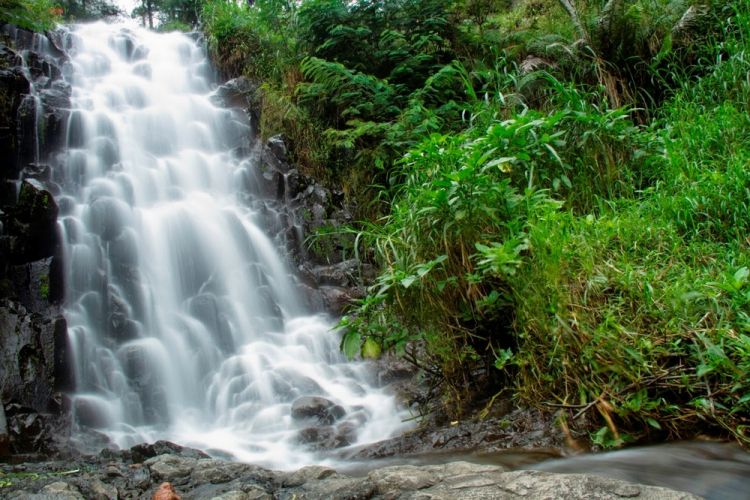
{"type": "Point", "coordinates": [183, 320]}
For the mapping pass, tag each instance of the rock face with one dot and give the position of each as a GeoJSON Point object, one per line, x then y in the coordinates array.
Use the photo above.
{"type": "Point", "coordinates": [34, 103]}
{"type": "Point", "coordinates": [306, 217]}
{"type": "Point", "coordinates": [181, 474]}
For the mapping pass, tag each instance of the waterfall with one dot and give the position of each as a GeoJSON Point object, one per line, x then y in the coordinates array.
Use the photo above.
{"type": "Point", "coordinates": [183, 318]}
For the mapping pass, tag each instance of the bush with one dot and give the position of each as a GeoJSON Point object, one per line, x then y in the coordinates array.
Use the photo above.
{"type": "Point", "coordinates": [34, 15]}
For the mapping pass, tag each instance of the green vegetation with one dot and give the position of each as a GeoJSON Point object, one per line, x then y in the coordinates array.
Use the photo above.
{"type": "Point", "coordinates": [168, 15]}
{"type": "Point", "coordinates": [35, 15]}
{"type": "Point", "coordinates": [556, 192]}
{"type": "Point", "coordinates": [44, 287]}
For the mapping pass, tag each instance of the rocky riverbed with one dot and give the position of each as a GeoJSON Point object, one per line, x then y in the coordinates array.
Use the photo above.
{"type": "Point", "coordinates": [166, 471]}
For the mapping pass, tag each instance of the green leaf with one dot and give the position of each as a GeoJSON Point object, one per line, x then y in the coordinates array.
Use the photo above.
{"type": "Point", "coordinates": [408, 281]}
{"type": "Point", "coordinates": [653, 423]}
{"type": "Point", "coordinates": [350, 343]}
{"type": "Point", "coordinates": [503, 358]}
{"type": "Point", "coordinates": [564, 178]}
{"type": "Point", "coordinates": [371, 349]}
{"type": "Point", "coordinates": [740, 277]}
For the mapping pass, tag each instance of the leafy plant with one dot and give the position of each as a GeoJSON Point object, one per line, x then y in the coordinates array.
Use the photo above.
{"type": "Point", "coordinates": [34, 15]}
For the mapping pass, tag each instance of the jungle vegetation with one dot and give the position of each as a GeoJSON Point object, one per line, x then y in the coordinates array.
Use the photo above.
{"type": "Point", "coordinates": [556, 192]}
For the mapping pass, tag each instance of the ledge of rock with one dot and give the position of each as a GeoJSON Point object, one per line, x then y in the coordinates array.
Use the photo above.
{"type": "Point", "coordinates": [182, 475]}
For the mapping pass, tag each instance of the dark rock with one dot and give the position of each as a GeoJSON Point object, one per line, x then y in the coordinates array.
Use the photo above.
{"type": "Point", "coordinates": [317, 437]}
{"type": "Point", "coordinates": [26, 130]}
{"type": "Point", "coordinates": [277, 147]}
{"type": "Point", "coordinates": [274, 154]}
{"type": "Point", "coordinates": [345, 273]}
{"type": "Point", "coordinates": [13, 88]}
{"type": "Point", "coordinates": [55, 104]}
{"type": "Point", "coordinates": [33, 346]}
{"type": "Point", "coordinates": [144, 451]}
{"type": "Point", "coordinates": [33, 224]}
{"type": "Point", "coordinates": [86, 412]}
{"type": "Point", "coordinates": [4, 434]}
{"type": "Point", "coordinates": [139, 477]}
{"type": "Point", "coordinates": [236, 93]}
{"type": "Point", "coordinates": [33, 432]}
{"type": "Point", "coordinates": [219, 471]}
{"type": "Point", "coordinates": [322, 410]}
{"type": "Point", "coordinates": [338, 299]}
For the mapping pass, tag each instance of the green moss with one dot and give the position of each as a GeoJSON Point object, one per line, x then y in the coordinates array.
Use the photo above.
{"type": "Point", "coordinates": [44, 287]}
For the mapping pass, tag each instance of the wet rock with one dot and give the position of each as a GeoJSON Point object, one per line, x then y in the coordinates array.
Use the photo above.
{"type": "Point", "coordinates": [236, 93]}
{"type": "Point", "coordinates": [339, 487]}
{"type": "Point", "coordinates": [37, 285]}
{"type": "Point", "coordinates": [139, 478]}
{"type": "Point", "coordinates": [317, 438]}
{"type": "Point", "coordinates": [32, 224]}
{"type": "Point", "coordinates": [33, 355]}
{"type": "Point", "coordinates": [277, 148]}
{"type": "Point", "coordinates": [485, 484]}
{"type": "Point", "coordinates": [219, 471]}
{"type": "Point", "coordinates": [345, 273]}
{"type": "Point", "coordinates": [322, 410]}
{"type": "Point", "coordinates": [251, 493]}
{"type": "Point", "coordinates": [103, 491]}
{"type": "Point", "coordinates": [60, 490]}
{"type": "Point", "coordinates": [13, 86]}
{"type": "Point", "coordinates": [708, 469]}
{"type": "Point", "coordinates": [4, 435]}
{"type": "Point", "coordinates": [142, 452]}
{"type": "Point", "coordinates": [390, 480]}
{"type": "Point", "coordinates": [305, 474]}
{"type": "Point", "coordinates": [171, 468]}
{"type": "Point", "coordinates": [26, 130]}
{"type": "Point", "coordinates": [338, 299]}
{"type": "Point", "coordinates": [87, 413]}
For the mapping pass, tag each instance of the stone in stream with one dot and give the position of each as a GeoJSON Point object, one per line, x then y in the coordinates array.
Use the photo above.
{"type": "Point", "coordinates": [322, 410]}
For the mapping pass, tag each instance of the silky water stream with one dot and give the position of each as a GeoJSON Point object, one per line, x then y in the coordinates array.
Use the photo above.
{"type": "Point", "coordinates": [184, 321]}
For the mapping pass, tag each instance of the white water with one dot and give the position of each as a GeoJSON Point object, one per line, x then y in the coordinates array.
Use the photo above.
{"type": "Point", "coordinates": [183, 320]}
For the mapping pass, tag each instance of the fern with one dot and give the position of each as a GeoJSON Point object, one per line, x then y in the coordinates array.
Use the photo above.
{"type": "Point", "coordinates": [352, 93]}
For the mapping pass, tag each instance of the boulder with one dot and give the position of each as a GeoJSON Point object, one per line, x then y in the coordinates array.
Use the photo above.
{"type": "Point", "coordinates": [315, 408]}
{"type": "Point", "coordinates": [236, 93]}
{"type": "Point", "coordinates": [173, 468]}
{"type": "Point", "coordinates": [305, 474]}
{"type": "Point", "coordinates": [60, 490]}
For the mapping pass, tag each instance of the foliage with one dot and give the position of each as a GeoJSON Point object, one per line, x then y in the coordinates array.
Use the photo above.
{"type": "Point", "coordinates": [34, 15]}
{"type": "Point", "coordinates": [555, 192]}
{"type": "Point", "coordinates": [85, 10]}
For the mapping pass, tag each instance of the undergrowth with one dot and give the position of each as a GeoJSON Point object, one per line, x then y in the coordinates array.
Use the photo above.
{"type": "Point", "coordinates": [34, 15]}
{"type": "Point", "coordinates": [556, 193]}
